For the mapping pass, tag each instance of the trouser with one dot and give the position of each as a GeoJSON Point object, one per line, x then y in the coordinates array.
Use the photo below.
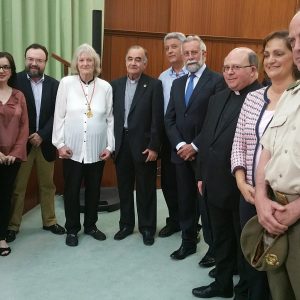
{"type": "Point", "coordinates": [7, 178]}
{"type": "Point", "coordinates": [169, 185]}
{"type": "Point", "coordinates": [143, 175]}
{"type": "Point", "coordinates": [74, 173]}
{"type": "Point", "coordinates": [257, 281]}
{"type": "Point", "coordinates": [284, 281]}
{"type": "Point", "coordinates": [46, 189]}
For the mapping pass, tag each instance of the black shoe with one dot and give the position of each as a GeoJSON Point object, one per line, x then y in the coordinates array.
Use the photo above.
{"type": "Point", "coordinates": [123, 233]}
{"type": "Point", "coordinates": [212, 273]}
{"type": "Point", "coordinates": [97, 234]}
{"type": "Point", "coordinates": [183, 252]}
{"type": "Point", "coordinates": [168, 230]}
{"type": "Point", "coordinates": [56, 229]}
{"type": "Point", "coordinates": [10, 235]}
{"type": "Point", "coordinates": [207, 261]}
{"type": "Point", "coordinates": [148, 238]}
{"type": "Point", "coordinates": [72, 240]}
{"type": "Point", "coordinates": [211, 291]}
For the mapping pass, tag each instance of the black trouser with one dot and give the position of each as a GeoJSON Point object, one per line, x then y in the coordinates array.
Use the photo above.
{"type": "Point", "coordinates": [257, 281]}
{"type": "Point", "coordinates": [8, 175]}
{"type": "Point", "coordinates": [169, 185]}
{"type": "Point", "coordinates": [143, 175]}
{"type": "Point", "coordinates": [74, 173]}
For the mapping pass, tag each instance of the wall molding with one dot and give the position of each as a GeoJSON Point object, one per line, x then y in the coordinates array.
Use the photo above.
{"type": "Point", "coordinates": [160, 36]}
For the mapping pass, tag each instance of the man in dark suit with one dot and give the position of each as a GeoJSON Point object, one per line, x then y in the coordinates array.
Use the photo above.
{"type": "Point", "coordinates": [40, 93]}
{"type": "Point", "coordinates": [138, 124]}
{"type": "Point", "coordinates": [183, 122]}
{"type": "Point", "coordinates": [216, 183]}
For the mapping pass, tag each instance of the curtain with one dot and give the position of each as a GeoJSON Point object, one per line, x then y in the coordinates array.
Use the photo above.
{"type": "Point", "coordinates": [60, 25]}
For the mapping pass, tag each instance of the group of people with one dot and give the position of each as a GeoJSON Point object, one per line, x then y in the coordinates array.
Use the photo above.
{"type": "Point", "coordinates": [222, 141]}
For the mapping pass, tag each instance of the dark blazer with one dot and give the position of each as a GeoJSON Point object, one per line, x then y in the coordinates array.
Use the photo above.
{"type": "Point", "coordinates": [182, 123]}
{"type": "Point", "coordinates": [50, 86]}
{"type": "Point", "coordinates": [213, 161]}
{"type": "Point", "coordinates": [145, 118]}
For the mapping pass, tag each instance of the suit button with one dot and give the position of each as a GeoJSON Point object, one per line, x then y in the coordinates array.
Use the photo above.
{"type": "Point", "coordinates": [185, 115]}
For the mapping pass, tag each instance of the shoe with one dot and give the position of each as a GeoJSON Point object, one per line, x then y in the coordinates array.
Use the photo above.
{"type": "Point", "coordinates": [5, 251]}
{"type": "Point", "coordinates": [168, 230]}
{"type": "Point", "coordinates": [183, 252]}
{"type": "Point", "coordinates": [123, 233]}
{"type": "Point", "coordinates": [211, 291]}
{"type": "Point", "coordinates": [148, 238]}
{"type": "Point", "coordinates": [56, 229]}
{"type": "Point", "coordinates": [97, 234]}
{"type": "Point", "coordinates": [72, 239]}
{"type": "Point", "coordinates": [207, 261]}
{"type": "Point", "coordinates": [10, 235]}
{"type": "Point", "coordinates": [212, 273]}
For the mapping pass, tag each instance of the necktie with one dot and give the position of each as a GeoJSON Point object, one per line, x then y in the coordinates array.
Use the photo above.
{"type": "Point", "coordinates": [189, 89]}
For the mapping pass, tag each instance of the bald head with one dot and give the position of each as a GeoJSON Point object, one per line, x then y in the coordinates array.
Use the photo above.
{"type": "Point", "coordinates": [294, 36]}
{"type": "Point", "coordinates": [240, 68]}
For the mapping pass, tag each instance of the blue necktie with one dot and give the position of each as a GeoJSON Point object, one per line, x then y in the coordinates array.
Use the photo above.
{"type": "Point", "coordinates": [189, 89]}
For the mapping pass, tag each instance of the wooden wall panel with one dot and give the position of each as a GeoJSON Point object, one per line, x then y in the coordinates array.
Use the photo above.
{"type": "Point", "coordinates": [138, 15]}
{"type": "Point", "coordinates": [234, 18]}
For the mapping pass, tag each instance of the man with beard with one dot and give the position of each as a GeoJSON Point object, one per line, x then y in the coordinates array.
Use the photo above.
{"type": "Point", "coordinates": [183, 121]}
{"type": "Point", "coordinates": [40, 93]}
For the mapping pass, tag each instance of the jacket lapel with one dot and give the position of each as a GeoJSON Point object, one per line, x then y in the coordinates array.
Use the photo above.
{"type": "Point", "coordinates": [140, 89]}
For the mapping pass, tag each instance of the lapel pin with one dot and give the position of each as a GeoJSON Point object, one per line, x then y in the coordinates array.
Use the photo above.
{"type": "Point", "coordinates": [145, 85]}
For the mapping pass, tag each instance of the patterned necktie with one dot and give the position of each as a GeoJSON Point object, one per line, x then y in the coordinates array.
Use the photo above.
{"type": "Point", "coordinates": [189, 89]}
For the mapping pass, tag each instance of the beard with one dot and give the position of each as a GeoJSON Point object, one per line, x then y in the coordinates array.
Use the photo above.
{"type": "Point", "coordinates": [193, 66]}
{"type": "Point", "coordinates": [34, 73]}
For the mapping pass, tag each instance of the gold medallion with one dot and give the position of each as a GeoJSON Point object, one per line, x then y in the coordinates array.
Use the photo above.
{"type": "Point", "coordinates": [89, 114]}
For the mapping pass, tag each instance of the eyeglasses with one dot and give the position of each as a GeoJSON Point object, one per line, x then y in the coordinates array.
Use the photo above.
{"type": "Point", "coordinates": [36, 60]}
{"type": "Point", "coordinates": [234, 68]}
{"type": "Point", "coordinates": [5, 67]}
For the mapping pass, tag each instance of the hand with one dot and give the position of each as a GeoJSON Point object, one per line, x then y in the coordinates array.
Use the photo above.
{"type": "Point", "coordinates": [35, 139]}
{"type": "Point", "coordinates": [151, 155]}
{"type": "Point", "coordinates": [105, 154]}
{"type": "Point", "coordinates": [247, 191]}
{"type": "Point", "coordinates": [65, 152]}
{"type": "Point", "coordinates": [9, 160]}
{"type": "Point", "coordinates": [187, 152]}
{"type": "Point", "coordinates": [2, 158]}
{"type": "Point", "coordinates": [266, 209]}
{"type": "Point", "coordinates": [290, 215]}
{"type": "Point", "coordinates": [199, 184]}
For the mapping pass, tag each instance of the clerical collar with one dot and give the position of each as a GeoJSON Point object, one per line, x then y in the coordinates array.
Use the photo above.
{"type": "Point", "coordinates": [132, 81]}
{"type": "Point", "coordinates": [87, 83]}
{"type": "Point", "coordinates": [246, 89]}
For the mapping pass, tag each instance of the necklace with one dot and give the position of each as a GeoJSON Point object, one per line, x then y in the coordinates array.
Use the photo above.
{"type": "Point", "coordinates": [89, 112]}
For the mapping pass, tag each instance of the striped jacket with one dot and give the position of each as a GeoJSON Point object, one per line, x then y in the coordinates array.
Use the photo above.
{"type": "Point", "coordinates": [246, 139]}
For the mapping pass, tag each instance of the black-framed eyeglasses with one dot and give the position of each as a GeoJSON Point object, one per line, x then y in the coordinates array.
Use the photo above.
{"type": "Point", "coordinates": [234, 68]}
{"type": "Point", "coordinates": [5, 67]}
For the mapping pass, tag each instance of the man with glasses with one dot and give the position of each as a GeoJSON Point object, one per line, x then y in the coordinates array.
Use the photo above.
{"type": "Point", "coordinates": [215, 181]}
{"type": "Point", "coordinates": [183, 121]}
{"type": "Point", "coordinates": [40, 93]}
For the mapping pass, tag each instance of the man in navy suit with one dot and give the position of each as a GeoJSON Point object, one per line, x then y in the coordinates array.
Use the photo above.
{"type": "Point", "coordinates": [183, 121]}
{"type": "Point", "coordinates": [40, 93]}
{"type": "Point", "coordinates": [138, 125]}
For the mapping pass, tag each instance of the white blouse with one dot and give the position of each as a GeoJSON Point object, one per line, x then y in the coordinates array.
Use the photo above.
{"type": "Point", "coordinates": [86, 137]}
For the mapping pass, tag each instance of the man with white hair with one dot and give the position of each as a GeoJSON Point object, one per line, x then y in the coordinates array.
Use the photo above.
{"type": "Point", "coordinates": [183, 121]}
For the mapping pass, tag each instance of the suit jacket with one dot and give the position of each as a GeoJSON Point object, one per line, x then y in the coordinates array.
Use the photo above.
{"type": "Point", "coordinates": [50, 86]}
{"type": "Point", "coordinates": [183, 124]}
{"type": "Point", "coordinates": [145, 118]}
{"type": "Point", "coordinates": [213, 161]}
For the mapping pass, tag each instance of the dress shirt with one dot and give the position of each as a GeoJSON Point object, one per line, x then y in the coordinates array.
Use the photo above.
{"type": "Point", "coordinates": [86, 137]}
{"type": "Point", "coordinates": [167, 77]}
{"type": "Point", "coordinates": [37, 90]}
{"type": "Point", "coordinates": [198, 75]}
{"type": "Point", "coordinates": [129, 94]}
